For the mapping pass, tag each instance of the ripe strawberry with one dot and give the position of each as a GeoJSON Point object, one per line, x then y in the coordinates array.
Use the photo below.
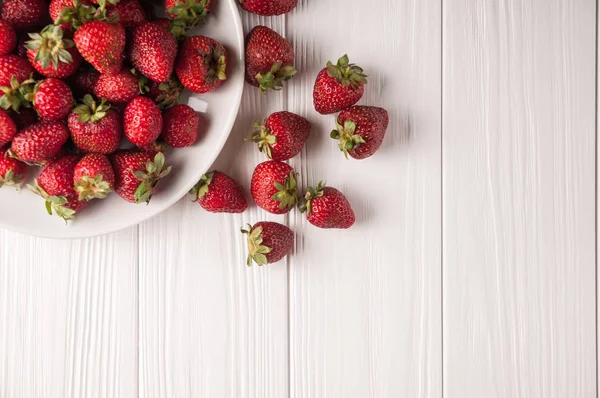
{"type": "Point", "coordinates": [130, 13]}
{"type": "Point", "coordinates": [268, 7]}
{"type": "Point", "coordinates": [59, 9]}
{"type": "Point", "coordinates": [152, 51]}
{"type": "Point", "coordinates": [180, 126]}
{"type": "Point", "coordinates": [8, 38]}
{"type": "Point", "coordinates": [201, 64]}
{"type": "Point", "coordinates": [84, 82]}
{"type": "Point", "coordinates": [25, 118]}
{"type": "Point", "coordinates": [101, 44]}
{"type": "Point", "coordinates": [268, 242]}
{"type": "Point", "coordinates": [142, 121]}
{"type": "Point", "coordinates": [53, 99]}
{"type": "Point", "coordinates": [12, 171]}
{"type": "Point", "coordinates": [40, 142]}
{"type": "Point", "coordinates": [326, 207]}
{"type": "Point", "coordinates": [152, 149]}
{"type": "Point", "coordinates": [274, 187]}
{"type": "Point", "coordinates": [13, 66]}
{"type": "Point", "coordinates": [338, 86]}
{"type": "Point", "coordinates": [8, 128]}
{"type": "Point", "coordinates": [360, 130]}
{"type": "Point", "coordinates": [269, 59]}
{"type": "Point", "coordinates": [25, 14]}
{"type": "Point", "coordinates": [282, 135]}
{"type": "Point", "coordinates": [52, 55]}
{"type": "Point", "coordinates": [138, 174]}
{"type": "Point", "coordinates": [186, 14]}
{"type": "Point", "coordinates": [165, 94]}
{"type": "Point", "coordinates": [94, 177]}
{"type": "Point", "coordinates": [95, 127]}
{"type": "Point", "coordinates": [120, 87]}
{"type": "Point", "coordinates": [216, 192]}
{"type": "Point", "coordinates": [55, 185]}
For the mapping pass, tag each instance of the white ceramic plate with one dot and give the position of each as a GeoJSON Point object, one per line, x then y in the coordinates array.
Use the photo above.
{"type": "Point", "coordinates": [24, 212]}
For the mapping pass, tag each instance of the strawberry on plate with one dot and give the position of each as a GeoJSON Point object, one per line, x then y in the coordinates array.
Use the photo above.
{"type": "Point", "coordinates": [268, 242]}
{"type": "Point", "coordinates": [51, 54]}
{"type": "Point", "coordinates": [40, 142]}
{"type": "Point", "coordinates": [94, 177]}
{"type": "Point", "coordinates": [8, 128]}
{"type": "Point", "coordinates": [25, 14]}
{"type": "Point", "coordinates": [268, 7]}
{"type": "Point", "coordinates": [338, 86]}
{"type": "Point", "coordinates": [101, 44]}
{"type": "Point", "coordinates": [274, 187]}
{"type": "Point", "coordinates": [201, 64]}
{"type": "Point", "coordinates": [180, 126]}
{"type": "Point", "coordinates": [120, 87]}
{"type": "Point", "coordinates": [53, 99]}
{"type": "Point", "coordinates": [282, 135]}
{"type": "Point", "coordinates": [152, 50]}
{"type": "Point", "coordinates": [186, 14]}
{"type": "Point", "coordinates": [95, 127]}
{"type": "Point", "coordinates": [137, 174]}
{"type": "Point", "coordinates": [165, 94]}
{"type": "Point", "coordinates": [360, 130]}
{"type": "Point", "coordinates": [8, 38]}
{"type": "Point", "coordinates": [12, 171]}
{"type": "Point", "coordinates": [216, 192]}
{"type": "Point", "coordinates": [326, 207]}
{"type": "Point", "coordinates": [142, 121]}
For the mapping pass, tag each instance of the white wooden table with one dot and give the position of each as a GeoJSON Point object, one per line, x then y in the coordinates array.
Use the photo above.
{"type": "Point", "coordinates": [471, 272]}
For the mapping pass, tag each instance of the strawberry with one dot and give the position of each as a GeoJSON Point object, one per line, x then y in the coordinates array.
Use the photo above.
{"type": "Point", "coordinates": [25, 14]}
{"type": "Point", "coordinates": [152, 149]}
{"type": "Point", "coordinates": [201, 64]}
{"type": "Point", "coordinates": [40, 142]}
{"type": "Point", "coordinates": [268, 242]}
{"type": "Point", "coordinates": [94, 177]}
{"type": "Point", "coordinates": [186, 14]}
{"type": "Point", "coordinates": [95, 127]}
{"type": "Point", "coordinates": [16, 84]}
{"type": "Point", "coordinates": [55, 185]}
{"type": "Point", "coordinates": [338, 86]}
{"type": "Point", "coordinates": [269, 59]}
{"type": "Point", "coordinates": [102, 45]}
{"type": "Point", "coordinates": [52, 55]}
{"type": "Point", "coordinates": [152, 51]}
{"type": "Point", "coordinates": [138, 174]}
{"type": "Point", "coordinates": [326, 207]}
{"type": "Point", "coordinates": [268, 7]}
{"type": "Point", "coordinates": [13, 66]}
{"type": "Point", "coordinates": [69, 14]}
{"type": "Point", "coordinates": [25, 118]}
{"type": "Point", "coordinates": [84, 82]}
{"type": "Point", "coordinates": [282, 135]}
{"type": "Point", "coordinates": [216, 192]}
{"type": "Point", "coordinates": [12, 171]}
{"type": "Point", "coordinates": [165, 94]}
{"type": "Point", "coordinates": [120, 87]}
{"type": "Point", "coordinates": [142, 121]}
{"type": "Point", "coordinates": [8, 128]}
{"type": "Point", "coordinates": [8, 38]}
{"type": "Point", "coordinates": [360, 130]}
{"type": "Point", "coordinates": [274, 187]}
{"type": "Point", "coordinates": [130, 13]}
{"type": "Point", "coordinates": [53, 99]}
{"type": "Point", "coordinates": [180, 126]}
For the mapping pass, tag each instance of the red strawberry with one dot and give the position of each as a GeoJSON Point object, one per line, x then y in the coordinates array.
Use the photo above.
{"type": "Point", "coordinates": [152, 51]}
{"type": "Point", "coordinates": [101, 44]}
{"type": "Point", "coordinates": [338, 86]}
{"type": "Point", "coordinates": [201, 64]}
{"type": "Point", "coordinates": [138, 174]}
{"type": "Point", "coordinates": [8, 128]}
{"type": "Point", "coordinates": [142, 121]}
{"type": "Point", "coordinates": [53, 99]}
{"type": "Point", "coordinates": [95, 127]}
{"type": "Point", "coordinates": [25, 14]}
{"type": "Point", "coordinates": [120, 87]}
{"type": "Point", "coordinates": [52, 55]}
{"type": "Point", "coordinates": [268, 242]}
{"type": "Point", "coordinates": [269, 59]}
{"type": "Point", "coordinates": [186, 14]}
{"type": "Point", "coordinates": [84, 82]}
{"type": "Point", "coordinates": [326, 207]}
{"type": "Point", "coordinates": [268, 7]}
{"type": "Point", "coordinates": [16, 84]}
{"type": "Point", "coordinates": [152, 149]}
{"type": "Point", "coordinates": [282, 136]}
{"type": "Point", "coordinates": [25, 118]}
{"type": "Point", "coordinates": [180, 126]}
{"type": "Point", "coordinates": [94, 177]}
{"type": "Point", "coordinates": [130, 12]}
{"type": "Point", "coordinates": [59, 9]}
{"type": "Point", "coordinates": [274, 187]}
{"type": "Point", "coordinates": [165, 94]}
{"type": "Point", "coordinates": [360, 130]}
{"type": "Point", "coordinates": [8, 38]}
{"type": "Point", "coordinates": [55, 185]}
{"type": "Point", "coordinates": [216, 192]}
{"type": "Point", "coordinates": [40, 142]}
{"type": "Point", "coordinates": [13, 66]}
{"type": "Point", "coordinates": [12, 171]}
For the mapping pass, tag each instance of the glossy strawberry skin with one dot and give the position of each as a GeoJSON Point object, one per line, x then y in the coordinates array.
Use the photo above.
{"type": "Point", "coordinates": [19, 169]}
{"type": "Point", "coordinates": [104, 136]}
{"type": "Point", "coordinates": [65, 69]}
{"type": "Point", "coordinates": [8, 128]}
{"type": "Point", "coordinates": [291, 132]}
{"type": "Point", "coordinates": [92, 165]}
{"type": "Point", "coordinates": [131, 13]}
{"type": "Point", "coordinates": [153, 50]}
{"type": "Point", "coordinates": [224, 195]}
{"type": "Point", "coordinates": [265, 47]}
{"type": "Point", "coordinates": [102, 45]}
{"type": "Point", "coordinates": [121, 87]}
{"type": "Point", "coordinates": [268, 7]}
{"type": "Point", "coordinates": [180, 126]}
{"type": "Point", "coordinates": [123, 164]}
{"type": "Point", "coordinates": [278, 237]}
{"type": "Point", "coordinates": [53, 99]}
{"type": "Point", "coordinates": [262, 185]}
{"type": "Point", "coordinates": [25, 14]}
{"type": "Point", "coordinates": [371, 124]}
{"type": "Point", "coordinates": [332, 210]}
{"type": "Point", "coordinates": [329, 96]}
{"type": "Point", "coordinates": [142, 121]}
{"type": "Point", "coordinates": [40, 142]}
{"type": "Point", "coordinates": [13, 65]}
{"type": "Point", "coordinates": [190, 65]}
{"type": "Point", "coordinates": [8, 38]}
{"type": "Point", "coordinates": [57, 180]}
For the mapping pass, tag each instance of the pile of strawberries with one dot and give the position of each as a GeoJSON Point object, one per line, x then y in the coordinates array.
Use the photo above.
{"type": "Point", "coordinates": [128, 70]}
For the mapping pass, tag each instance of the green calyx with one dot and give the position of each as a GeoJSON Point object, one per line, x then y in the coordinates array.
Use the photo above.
{"type": "Point", "coordinates": [169, 93]}
{"type": "Point", "coordinates": [275, 77]}
{"type": "Point", "coordinates": [215, 63]}
{"type": "Point", "coordinates": [149, 179]}
{"type": "Point", "coordinates": [287, 193]}
{"type": "Point", "coordinates": [256, 250]}
{"type": "Point", "coordinates": [311, 193]}
{"type": "Point", "coordinates": [201, 187]}
{"type": "Point", "coordinates": [17, 95]}
{"type": "Point", "coordinates": [187, 14]}
{"type": "Point", "coordinates": [54, 204]}
{"type": "Point", "coordinates": [11, 179]}
{"type": "Point", "coordinates": [346, 137]}
{"type": "Point", "coordinates": [346, 73]}
{"type": "Point", "coordinates": [51, 47]}
{"type": "Point", "coordinates": [90, 110]}
{"type": "Point", "coordinates": [80, 14]}
{"type": "Point", "coordinates": [92, 187]}
{"type": "Point", "coordinates": [263, 137]}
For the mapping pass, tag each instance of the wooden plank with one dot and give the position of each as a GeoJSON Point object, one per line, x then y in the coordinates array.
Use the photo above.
{"type": "Point", "coordinates": [519, 198]}
{"type": "Point", "coordinates": [68, 316]}
{"type": "Point", "coordinates": [365, 304]}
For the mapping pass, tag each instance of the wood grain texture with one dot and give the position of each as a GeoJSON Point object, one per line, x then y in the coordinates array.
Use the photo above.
{"type": "Point", "coordinates": [68, 316]}
{"type": "Point", "coordinates": [519, 200]}
{"type": "Point", "coordinates": [365, 303]}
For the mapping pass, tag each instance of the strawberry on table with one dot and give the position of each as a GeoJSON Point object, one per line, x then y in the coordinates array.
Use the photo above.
{"type": "Point", "coordinates": [216, 192]}
{"type": "Point", "coordinates": [137, 174]}
{"type": "Point", "coordinates": [8, 38]}
{"type": "Point", "coordinates": [201, 64]}
{"type": "Point", "coordinates": [8, 128]}
{"type": "Point", "coordinates": [268, 242]}
{"type": "Point", "coordinates": [101, 44]}
{"type": "Point", "coordinates": [274, 187]}
{"type": "Point", "coordinates": [40, 142]}
{"type": "Point", "coordinates": [51, 54]}
{"type": "Point", "coordinates": [12, 171]}
{"type": "Point", "coordinates": [326, 207]}
{"type": "Point", "coordinates": [268, 7]}
{"type": "Point", "coordinates": [282, 135]}
{"type": "Point", "coordinates": [153, 50]}
{"type": "Point", "coordinates": [94, 177]}
{"type": "Point", "coordinates": [180, 126]}
{"type": "Point", "coordinates": [25, 14]}
{"type": "Point", "coordinates": [121, 87]}
{"type": "Point", "coordinates": [338, 86]}
{"type": "Point", "coordinates": [53, 99]}
{"type": "Point", "coordinates": [360, 130]}
{"type": "Point", "coordinates": [142, 121]}
{"type": "Point", "coordinates": [269, 59]}
{"type": "Point", "coordinates": [95, 127]}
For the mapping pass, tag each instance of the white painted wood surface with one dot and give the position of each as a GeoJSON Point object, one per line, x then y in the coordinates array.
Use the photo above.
{"type": "Point", "coordinates": [470, 273]}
